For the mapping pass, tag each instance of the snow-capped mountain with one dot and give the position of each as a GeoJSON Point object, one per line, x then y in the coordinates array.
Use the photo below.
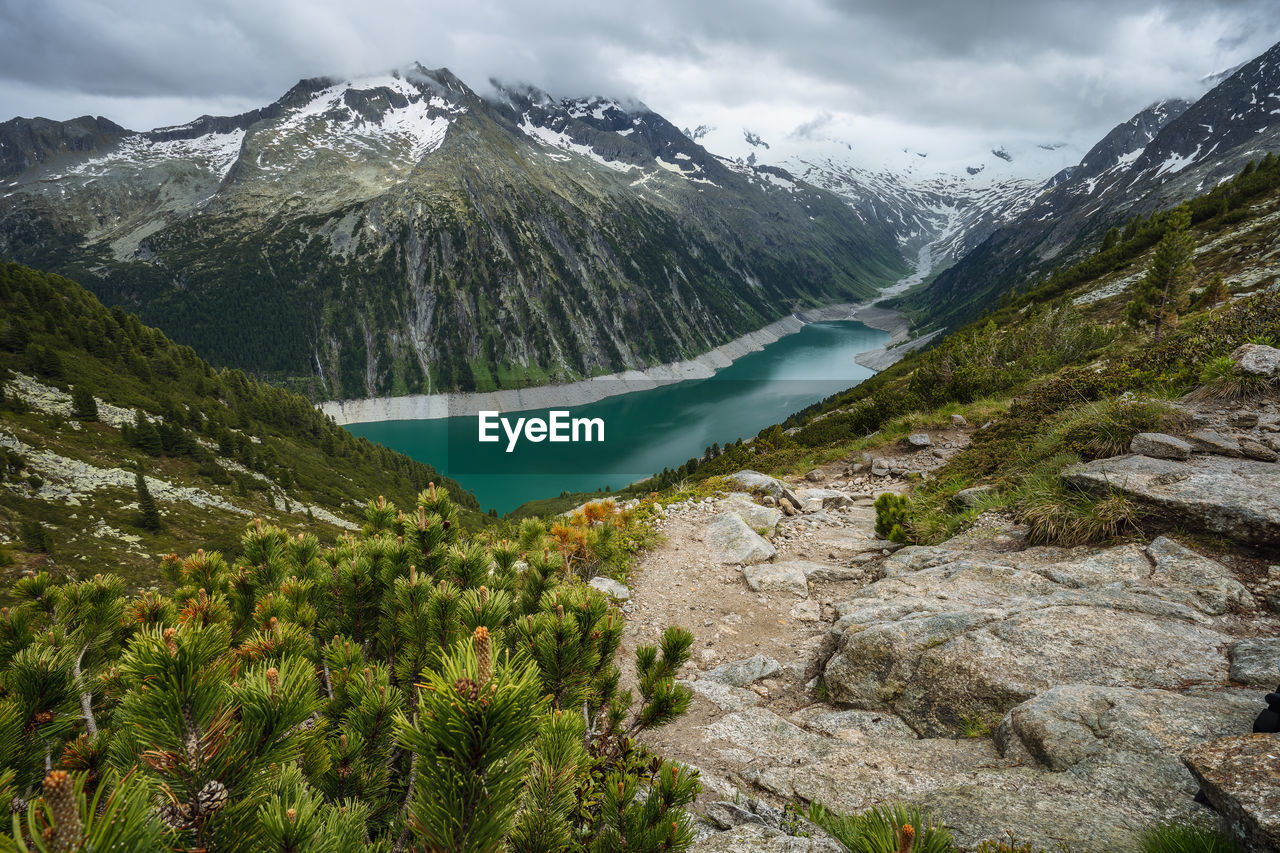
{"type": "Point", "coordinates": [1169, 152]}
{"type": "Point", "coordinates": [937, 208]}
{"type": "Point", "coordinates": [399, 233]}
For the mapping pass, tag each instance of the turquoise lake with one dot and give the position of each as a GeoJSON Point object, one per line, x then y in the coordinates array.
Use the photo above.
{"type": "Point", "coordinates": [644, 430]}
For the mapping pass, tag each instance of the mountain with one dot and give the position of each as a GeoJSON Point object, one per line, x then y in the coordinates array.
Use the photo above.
{"type": "Point", "coordinates": [401, 233]}
{"type": "Point", "coordinates": [217, 448]}
{"type": "Point", "coordinates": [938, 205]}
{"type": "Point", "coordinates": [1168, 153]}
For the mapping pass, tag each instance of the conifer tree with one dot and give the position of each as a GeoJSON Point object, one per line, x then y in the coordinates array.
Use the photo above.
{"type": "Point", "coordinates": [148, 517]}
{"type": "Point", "coordinates": [83, 405]}
{"type": "Point", "coordinates": [1215, 293]}
{"type": "Point", "coordinates": [1158, 297]}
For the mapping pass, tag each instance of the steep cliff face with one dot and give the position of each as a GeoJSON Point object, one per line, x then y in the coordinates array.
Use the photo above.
{"type": "Point", "coordinates": [1162, 156]}
{"type": "Point", "coordinates": [401, 233]}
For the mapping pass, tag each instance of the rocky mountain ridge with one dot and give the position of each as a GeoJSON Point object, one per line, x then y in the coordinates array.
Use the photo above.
{"type": "Point", "coordinates": [401, 233]}
{"type": "Point", "coordinates": [1167, 153]}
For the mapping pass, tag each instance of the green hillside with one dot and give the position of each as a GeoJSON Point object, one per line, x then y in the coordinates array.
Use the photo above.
{"type": "Point", "coordinates": [218, 448]}
{"type": "Point", "coordinates": [1060, 371]}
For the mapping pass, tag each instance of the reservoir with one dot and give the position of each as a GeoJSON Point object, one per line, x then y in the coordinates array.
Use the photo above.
{"type": "Point", "coordinates": [646, 430]}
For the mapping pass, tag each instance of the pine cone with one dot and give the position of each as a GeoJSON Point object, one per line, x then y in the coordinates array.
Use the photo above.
{"type": "Point", "coordinates": [212, 797]}
{"type": "Point", "coordinates": [484, 655]}
{"type": "Point", "coordinates": [17, 805]}
{"type": "Point", "coordinates": [177, 815]}
{"type": "Point", "coordinates": [67, 830]}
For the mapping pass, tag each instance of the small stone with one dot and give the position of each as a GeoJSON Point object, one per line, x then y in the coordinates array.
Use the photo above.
{"type": "Point", "coordinates": [611, 588]}
{"type": "Point", "coordinates": [807, 611]}
{"type": "Point", "coordinates": [1244, 420]}
{"type": "Point", "coordinates": [1157, 445]}
{"type": "Point", "coordinates": [1257, 450]}
{"type": "Point", "coordinates": [741, 673]}
{"type": "Point", "coordinates": [776, 577]}
{"type": "Point", "coordinates": [919, 439]}
{"type": "Point", "coordinates": [815, 476]}
{"type": "Point", "coordinates": [974, 495]}
{"type": "Point", "coordinates": [959, 421]}
{"type": "Point", "coordinates": [1212, 442]}
{"type": "Point", "coordinates": [769, 500]}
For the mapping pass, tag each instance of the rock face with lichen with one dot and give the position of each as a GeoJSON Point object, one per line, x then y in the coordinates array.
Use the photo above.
{"type": "Point", "coordinates": [1240, 776]}
{"type": "Point", "coordinates": [1239, 498]}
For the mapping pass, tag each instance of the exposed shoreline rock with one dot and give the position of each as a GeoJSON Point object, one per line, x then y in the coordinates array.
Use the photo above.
{"type": "Point", "coordinates": [453, 404]}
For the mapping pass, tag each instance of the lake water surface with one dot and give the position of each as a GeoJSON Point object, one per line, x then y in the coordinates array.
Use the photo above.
{"type": "Point", "coordinates": [645, 430]}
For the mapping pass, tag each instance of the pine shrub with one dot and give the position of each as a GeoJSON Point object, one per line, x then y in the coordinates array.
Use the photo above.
{"type": "Point", "coordinates": [404, 688]}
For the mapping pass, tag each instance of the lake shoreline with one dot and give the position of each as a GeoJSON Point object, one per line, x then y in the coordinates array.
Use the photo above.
{"type": "Point", "coordinates": [583, 392]}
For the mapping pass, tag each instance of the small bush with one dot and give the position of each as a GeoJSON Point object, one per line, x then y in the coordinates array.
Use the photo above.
{"type": "Point", "coordinates": [1106, 428]}
{"type": "Point", "coordinates": [891, 516]}
{"type": "Point", "coordinates": [1059, 515]}
{"type": "Point", "coordinates": [83, 405]}
{"type": "Point", "coordinates": [877, 830]}
{"type": "Point", "coordinates": [35, 537]}
{"type": "Point", "coordinates": [1185, 838]}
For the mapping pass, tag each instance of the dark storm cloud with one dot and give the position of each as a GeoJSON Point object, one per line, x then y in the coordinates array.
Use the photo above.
{"type": "Point", "coordinates": [989, 64]}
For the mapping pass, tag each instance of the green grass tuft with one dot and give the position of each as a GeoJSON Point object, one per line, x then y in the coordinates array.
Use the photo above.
{"type": "Point", "coordinates": [1186, 838]}
{"type": "Point", "coordinates": [1220, 381]}
{"type": "Point", "coordinates": [876, 830]}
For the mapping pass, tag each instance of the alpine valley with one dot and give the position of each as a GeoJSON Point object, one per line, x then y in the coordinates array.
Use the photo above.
{"type": "Point", "coordinates": [1013, 587]}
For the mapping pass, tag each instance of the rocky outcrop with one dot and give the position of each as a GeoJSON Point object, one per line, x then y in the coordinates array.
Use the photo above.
{"type": "Point", "coordinates": [1256, 662]}
{"type": "Point", "coordinates": [757, 517]}
{"type": "Point", "coordinates": [758, 838]}
{"type": "Point", "coordinates": [757, 483]}
{"type": "Point", "coordinates": [1240, 776]}
{"type": "Point", "coordinates": [1238, 498]}
{"type": "Point", "coordinates": [944, 638]}
{"type": "Point", "coordinates": [1160, 446]}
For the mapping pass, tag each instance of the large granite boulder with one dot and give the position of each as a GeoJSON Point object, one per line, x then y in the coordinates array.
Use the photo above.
{"type": "Point", "coordinates": [965, 638]}
{"type": "Point", "coordinates": [730, 540]}
{"type": "Point", "coordinates": [756, 516]}
{"type": "Point", "coordinates": [1240, 776]}
{"type": "Point", "coordinates": [1238, 498]}
{"type": "Point", "coordinates": [757, 483]}
{"type": "Point", "coordinates": [1109, 735]}
{"type": "Point", "coordinates": [1257, 359]}
{"type": "Point", "coordinates": [966, 783]}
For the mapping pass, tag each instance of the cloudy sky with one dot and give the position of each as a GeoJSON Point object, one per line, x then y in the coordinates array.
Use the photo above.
{"type": "Point", "coordinates": [939, 76]}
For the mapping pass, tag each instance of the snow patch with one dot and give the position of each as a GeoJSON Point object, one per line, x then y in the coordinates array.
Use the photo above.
{"type": "Point", "coordinates": [563, 142]}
